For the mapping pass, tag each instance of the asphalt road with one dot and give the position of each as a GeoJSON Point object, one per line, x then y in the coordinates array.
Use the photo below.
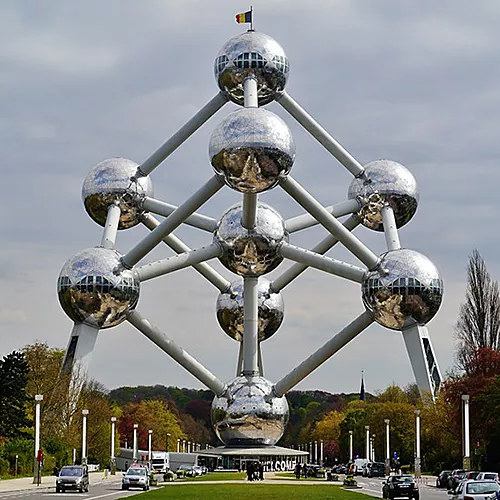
{"type": "Point", "coordinates": [428, 490]}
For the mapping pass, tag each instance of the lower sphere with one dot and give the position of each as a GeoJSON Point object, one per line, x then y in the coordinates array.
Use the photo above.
{"type": "Point", "coordinates": [249, 414]}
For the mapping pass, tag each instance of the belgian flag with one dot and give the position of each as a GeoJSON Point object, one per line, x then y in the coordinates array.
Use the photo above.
{"type": "Point", "coordinates": [244, 17]}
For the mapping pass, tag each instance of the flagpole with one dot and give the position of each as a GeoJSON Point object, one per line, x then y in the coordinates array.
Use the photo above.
{"type": "Point", "coordinates": [251, 17]}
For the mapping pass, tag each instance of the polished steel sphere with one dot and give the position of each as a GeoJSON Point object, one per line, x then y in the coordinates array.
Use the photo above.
{"type": "Point", "coordinates": [115, 181]}
{"type": "Point", "coordinates": [405, 289]}
{"type": "Point", "coordinates": [384, 182]}
{"type": "Point", "coordinates": [252, 54]}
{"type": "Point", "coordinates": [230, 310]}
{"type": "Point", "coordinates": [249, 414]}
{"type": "Point", "coordinates": [252, 147]}
{"type": "Point", "coordinates": [93, 288]}
{"type": "Point", "coordinates": [251, 252]}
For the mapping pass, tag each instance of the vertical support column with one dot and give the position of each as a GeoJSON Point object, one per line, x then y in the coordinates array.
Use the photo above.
{"type": "Point", "coordinates": [36, 467]}
{"type": "Point", "coordinates": [84, 436]}
{"type": "Point", "coordinates": [111, 228]}
{"type": "Point", "coordinates": [350, 446]}
{"type": "Point", "coordinates": [417, 443]}
{"type": "Point", "coordinates": [134, 452]}
{"type": "Point", "coordinates": [251, 325]}
{"type": "Point", "coordinates": [466, 432]}
{"type": "Point", "coordinates": [112, 455]}
{"type": "Point", "coordinates": [390, 228]}
{"type": "Point", "coordinates": [367, 442]}
{"type": "Point", "coordinates": [387, 448]}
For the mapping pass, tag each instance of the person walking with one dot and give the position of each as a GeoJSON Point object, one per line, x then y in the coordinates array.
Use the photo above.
{"type": "Point", "coordinates": [297, 470]}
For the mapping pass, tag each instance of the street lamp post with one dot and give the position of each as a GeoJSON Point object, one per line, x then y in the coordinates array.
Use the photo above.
{"type": "Point", "coordinates": [465, 431]}
{"type": "Point", "coordinates": [372, 455]}
{"type": "Point", "coordinates": [36, 468]}
{"type": "Point", "coordinates": [84, 437]}
{"type": "Point", "coordinates": [387, 448]}
{"type": "Point", "coordinates": [167, 435]}
{"type": "Point", "coordinates": [321, 453]}
{"type": "Point", "coordinates": [417, 445]}
{"type": "Point", "coordinates": [178, 445]}
{"type": "Point", "coordinates": [135, 443]}
{"type": "Point", "coordinates": [315, 452]}
{"type": "Point", "coordinates": [113, 460]}
{"type": "Point", "coordinates": [367, 442]}
{"type": "Point", "coordinates": [15, 469]}
{"type": "Point", "coordinates": [350, 446]}
{"type": "Point", "coordinates": [150, 432]}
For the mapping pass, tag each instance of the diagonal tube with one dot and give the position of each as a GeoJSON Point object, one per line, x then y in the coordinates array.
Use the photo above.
{"type": "Point", "coordinates": [195, 220]}
{"type": "Point", "coordinates": [351, 331]}
{"type": "Point", "coordinates": [176, 262]}
{"type": "Point", "coordinates": [332, 266]}
{"type": "Point", "coordinates": [177, 245]}
{"type": "Point", "coordinates": [308, 202]}
{"type": "Point", "coordinates": [175, 219]}
{"type": "Point", "coordinates": [307, 220]}
{"type": "Point", "coordinates": [390, 228]}
{"type": "Point", "coordinates": [321, 248]}
{"type": "Point", "coordinates": [182, 134]}
{"type": "Point", "coordinates": [320, 134]}
{"type": "Point", "coordinates": [111, 227]}
{"type": "Point", "coordinates": [167, 345]}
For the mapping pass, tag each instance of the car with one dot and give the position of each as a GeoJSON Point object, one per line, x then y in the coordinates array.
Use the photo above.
{"type": "Point", "coordinates": [375, 469]}
{"type": "Point", "coordinates": [198, 470]}
{"type": "Point", "coordinates": [187, 470]}
{"type": "Point", "coordinates": [136, 477]}
{"type": "Point", "coordinates": [492, 476]}
{"type": "Point", "coordinates": [402, 485]}
{"type": "Point", "coordinates": [456, 477]}
{"type": "Point", "coordinates": [72, 477]}
{"type": "Point", "coordinates": [442, 479]}
{"type": "Point", "coordinates": [314, 470]}
{"type": "Point", "coordinates": [472, 474]}
{"type": "Point", "coordinates": [472, 489]}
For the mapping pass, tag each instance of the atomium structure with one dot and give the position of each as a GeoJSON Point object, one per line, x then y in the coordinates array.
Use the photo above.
{"type": "Point", "coordinates": [251, 151]}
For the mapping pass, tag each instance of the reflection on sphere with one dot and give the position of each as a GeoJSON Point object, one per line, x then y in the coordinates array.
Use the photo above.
{"type": "Point", "coordinates": [114, 181]}
{"type": "Point", "coordinates": [406, 290]}
{"type": "Point", "coordinates": [252, 54]}
{"type": "Point", "coordinates": [251, 252]}
{"type": "Point", "coordinates": [230, 310]}
{"type": "Point", "coordinates": [93, 288]}
{"type": "Point", "coordinates": [389, 182]}
{"type": "Point", "coordinates": [249, 414]}
{"type": "Point", "coordinates": [252, 147]}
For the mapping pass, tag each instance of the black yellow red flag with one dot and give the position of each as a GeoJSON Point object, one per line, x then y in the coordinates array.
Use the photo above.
{"type": "Point", "coordinates": [244, 17]}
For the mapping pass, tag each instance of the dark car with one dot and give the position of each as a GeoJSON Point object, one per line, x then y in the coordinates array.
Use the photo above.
{"type": "Point", "coordinates": [442, 479]}
{"type": "Point", "coordinates": [400, 486]}
{"type": "Point", "coordinates": [73, 477]}
{"type": "Point", "coordinates": [375, 469]}
{"type": "Point", "coordinates": [455, 478]}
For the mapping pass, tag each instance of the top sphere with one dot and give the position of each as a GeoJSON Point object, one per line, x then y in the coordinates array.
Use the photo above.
{"type": "Point", "coordinates": [252, 54]}
{"type": "Point", "coordinates": [115, 181]}
{"type": "Point", "coordinates": [385, 181]}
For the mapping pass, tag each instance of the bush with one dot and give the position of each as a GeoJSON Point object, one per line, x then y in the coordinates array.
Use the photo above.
{"type": "Point", "coordinates": [350, 481]}
{"type": "Point", "coordinates": [4, 466]}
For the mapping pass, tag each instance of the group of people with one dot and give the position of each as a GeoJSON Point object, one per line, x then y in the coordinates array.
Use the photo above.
{"type": "Point", "coordinates": [255, 471]}
{"type": "Point", "coordinates": [300, 470]}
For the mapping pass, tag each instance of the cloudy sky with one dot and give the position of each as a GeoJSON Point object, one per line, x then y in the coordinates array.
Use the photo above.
{"type": "Point", "coordinates": [413, 81]}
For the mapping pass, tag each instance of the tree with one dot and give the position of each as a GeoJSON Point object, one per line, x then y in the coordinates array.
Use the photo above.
{"type": "Point", "coordinates": [13, 397]}
{"type": "Point", "coordinates": [478, 323]}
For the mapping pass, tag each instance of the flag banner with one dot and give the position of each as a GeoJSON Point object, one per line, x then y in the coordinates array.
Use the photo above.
{"type": "Point", "coordinates": [244, 17]}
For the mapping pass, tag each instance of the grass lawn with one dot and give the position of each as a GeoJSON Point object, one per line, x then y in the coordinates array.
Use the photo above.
{"type": "Point", "coordinates": [291, 475]}
{"type": "Point", "coordinates": [216, 476]}
{"type": "Point", "coordinates": [251, 491]}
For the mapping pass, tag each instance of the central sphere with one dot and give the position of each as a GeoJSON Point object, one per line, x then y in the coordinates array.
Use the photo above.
{"type": "Point", "coordinates": [114, 181]}
{"type": "Point", "coordinates": [385, 181]}
{"type": "Point", "coordinates": [230, 310]}
{"type": "Point", "coordinates": [252, 54]}
{"type": "Point", "coordinates": [405, 289]}
{"type": "Point", "coordinates": [252, 147]}
{"type": "Point", "coordinates": [249, 414]}
{"type": "Point", "coordinates": [94, 288]}
{"type": "Point", "coordinates": [251, 252]}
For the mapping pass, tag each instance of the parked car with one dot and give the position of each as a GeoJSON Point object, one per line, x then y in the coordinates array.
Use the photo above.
{"type": "Point", "coordinates": [456, 477]}
{"type": "Point", "coordinates": [136, 477]}
{"type": "Point", "coordinates": [472, 474]}
{"type": "Point", "coordinates": [198, 470]}
{"type": "Point", "coordinates": [403, 485]}
{"type": "Point", "coordinates": [314, 470]}
{"type": "Point", "coordinates": [73, 477]}
{"type": "Point", "coordinates": [186, 470]}
{"type": "Point", "coordinates": [492, 476]}
{"type": "Point", "coordinates": [442, 479]}
{"type": "Point", "coordinates": [472, 489]}
{"type": "Point", "coordinates": [375, 469]}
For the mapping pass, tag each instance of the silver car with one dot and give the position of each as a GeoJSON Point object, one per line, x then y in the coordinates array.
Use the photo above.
{"type": "Point", "coordinates": [136, 477]}
{"type": "Point", "coordinates": [72, 477]}
{"type": "Point", "coordinates": [475, 490]}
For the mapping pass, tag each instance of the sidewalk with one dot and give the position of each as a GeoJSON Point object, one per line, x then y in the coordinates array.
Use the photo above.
{"type": "Point", "coordinates": [26, 483]}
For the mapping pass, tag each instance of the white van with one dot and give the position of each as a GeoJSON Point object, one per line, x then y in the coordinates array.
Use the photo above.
{"type": "Point", "coordinates": [359, 463]}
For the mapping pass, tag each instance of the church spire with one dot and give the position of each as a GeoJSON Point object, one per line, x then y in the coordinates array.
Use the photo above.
{"type": "Point", "coordinates": [362, 395]}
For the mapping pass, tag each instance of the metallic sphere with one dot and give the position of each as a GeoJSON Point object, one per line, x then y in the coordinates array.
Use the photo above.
{"type": "Point", "coordinates": [252, 54]}
{"type": "Point", "coordinates": [252, 147]}
{"type": "Point", "coordinates": [251, 252]}
{"type": "Point", "coordinates": [93, 288]}
{"type": "Point", "coordinates": [406, 289]}
{"type": "Point", "coordinates": [115, 181]}
{"type": "Point", "coordinates": [249, 414]}
{"type": "Point", "coordinates": [389, 182]}
{"type": "Point", "coordinates": [230, 310]}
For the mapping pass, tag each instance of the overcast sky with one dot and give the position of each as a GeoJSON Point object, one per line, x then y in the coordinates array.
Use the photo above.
{"type": "Point", "coordinates": [413, 81]}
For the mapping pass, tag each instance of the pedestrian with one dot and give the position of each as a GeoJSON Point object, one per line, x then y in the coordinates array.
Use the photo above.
{"type": "Point", "coordinates": [261, 471]}
{"type": "Point", "coordinates": [250, 471]}
{"type": "Point", "coordinates": [297, 470]}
